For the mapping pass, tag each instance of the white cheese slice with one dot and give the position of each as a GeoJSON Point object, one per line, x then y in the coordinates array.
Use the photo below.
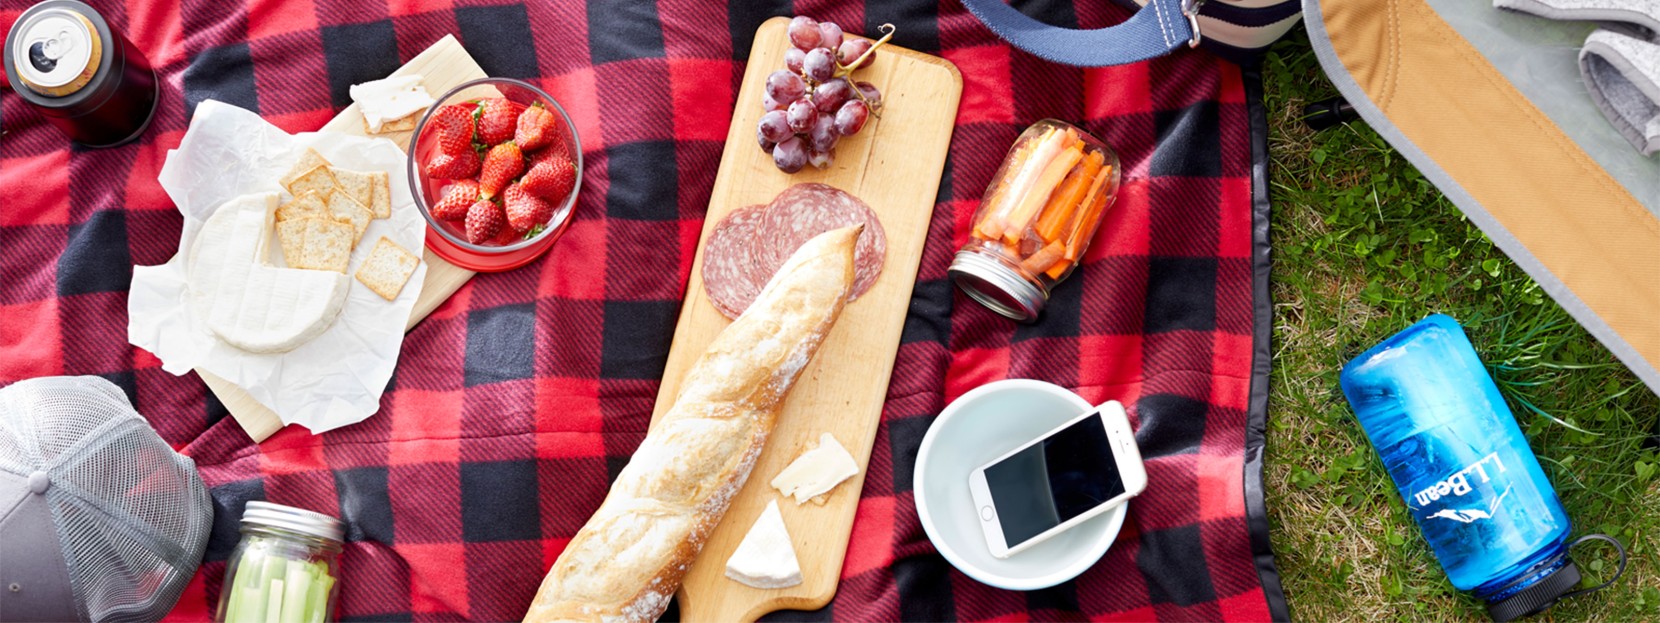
{"type": "Point", "coordinates": [244, 301]}
{"type": "Point", "coordinates": [391, 98]}
{"type": "Point", "coordinates": [765, 558]}
{"type": "Point", "coordinates": [816, 471]}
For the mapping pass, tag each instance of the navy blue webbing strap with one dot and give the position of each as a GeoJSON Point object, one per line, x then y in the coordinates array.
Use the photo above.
{"type": "Point", "coordinates": [1155, 30]}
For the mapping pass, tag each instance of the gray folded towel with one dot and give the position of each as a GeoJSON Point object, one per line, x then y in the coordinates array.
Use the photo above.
{"type": "Point", "coordinates": [1620, 63]}
{"type": "Point", "coordinates": [1623, 75]}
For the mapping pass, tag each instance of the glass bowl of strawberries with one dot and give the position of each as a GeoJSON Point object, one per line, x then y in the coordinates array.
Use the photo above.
{"type": "Point", "coordinates": [495, 167]}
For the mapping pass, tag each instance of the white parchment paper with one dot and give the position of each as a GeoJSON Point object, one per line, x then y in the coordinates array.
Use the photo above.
{"type": "Point", "coordinates": [333, 380]}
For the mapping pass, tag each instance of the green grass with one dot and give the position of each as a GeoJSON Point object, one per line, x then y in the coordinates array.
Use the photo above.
{"type": "Point", "coordinates": [1364, 246]}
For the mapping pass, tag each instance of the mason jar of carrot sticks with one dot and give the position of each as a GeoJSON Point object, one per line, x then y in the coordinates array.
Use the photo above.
{"type": "Point", "coordinates": [1036, 218]}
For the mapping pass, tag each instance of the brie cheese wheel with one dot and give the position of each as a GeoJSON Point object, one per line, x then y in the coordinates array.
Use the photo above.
{"type": "Point", "coordinates": [244, 301]}
{"type": "Point", "coordinates": [765, 558]}
{"type": "Point", "coordinates": [816, 471]}
{"type": "Point", "coordinates": [391, 98]}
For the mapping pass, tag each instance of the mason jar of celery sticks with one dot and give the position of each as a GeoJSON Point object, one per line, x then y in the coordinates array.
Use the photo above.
{"type": "Point", "coordinates": [1036, 218]}
{"type": "Point", "coordinates": [284, 570]}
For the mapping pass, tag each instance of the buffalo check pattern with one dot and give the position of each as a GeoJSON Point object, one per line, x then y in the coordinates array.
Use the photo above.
{"type": "Point", "coordinates": [519, 399]}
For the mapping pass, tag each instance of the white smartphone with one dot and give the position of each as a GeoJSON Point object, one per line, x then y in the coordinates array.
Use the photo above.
{"type": "Point", "coordinates": [1078, 470]}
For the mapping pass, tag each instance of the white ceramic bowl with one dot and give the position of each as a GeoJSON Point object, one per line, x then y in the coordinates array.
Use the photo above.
{"type": "Point", "coordinates": [980, 426]}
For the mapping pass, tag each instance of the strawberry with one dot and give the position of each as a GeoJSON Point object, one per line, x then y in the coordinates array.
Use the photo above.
{"type": "Point", "coordinates": [453, 167]}
{"type": "Point", "coordinates": [498, 121]}
{"type": "Point", "coordinates": [551, 178]}
{"type": "Point", "coordinates": [457, 198]}
{"type": "Point", "coordinates": [524, 210]}
{"type": "Point", "coordinates": [454, 125]}
{"type": "Point", "coordinates": [537, 128]}
{"type": "Point", "coordinates": [501, 165]}
{"type": "Point", "coordinates": [483, 221]}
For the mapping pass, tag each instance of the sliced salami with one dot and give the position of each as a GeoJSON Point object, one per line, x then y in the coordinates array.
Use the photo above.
{"type": "Point", "coordinates": [803, 211]}
{"type": "Point", "coordinates": [728, 272]}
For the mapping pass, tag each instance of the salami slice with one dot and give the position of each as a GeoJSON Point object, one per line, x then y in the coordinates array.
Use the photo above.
{"type": "Point", "coordinates": [803, 211]}
{"type": "Point", "coordinates": [728, 274]}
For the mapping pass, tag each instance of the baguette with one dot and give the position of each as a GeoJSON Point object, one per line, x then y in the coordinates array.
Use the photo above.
{"type": "Point", "coordinates": [631, 556]}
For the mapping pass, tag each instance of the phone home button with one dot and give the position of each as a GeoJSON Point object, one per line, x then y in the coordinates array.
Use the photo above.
{"type": "Point", "coordinates": [985, 513]}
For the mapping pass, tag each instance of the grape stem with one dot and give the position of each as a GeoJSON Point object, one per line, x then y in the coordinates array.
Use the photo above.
{"type": "Point", "coordinates": [846, 71]}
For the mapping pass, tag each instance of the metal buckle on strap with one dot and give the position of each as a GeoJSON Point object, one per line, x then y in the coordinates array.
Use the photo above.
{"type": "Point", "coordinates": [1190, 8]}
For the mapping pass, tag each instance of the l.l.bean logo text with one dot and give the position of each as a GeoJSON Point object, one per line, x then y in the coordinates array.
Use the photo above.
{"type": "Point", "coordinates": [1459, 482]}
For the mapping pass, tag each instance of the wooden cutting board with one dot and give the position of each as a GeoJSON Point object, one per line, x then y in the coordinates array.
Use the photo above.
{"type": "Point", "coordinates": [894, 165]}
{"type": "Point", "coordinates": [443, 66]}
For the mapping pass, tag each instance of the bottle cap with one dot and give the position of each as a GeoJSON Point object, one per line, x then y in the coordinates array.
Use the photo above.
{"type": "Point", "coordinates": [997, 285]}
{"type": "Point", "coordinates": [56, 51]}
{"type": "Point", "coordinates": [1538, 596]}
{"type": "Point", "coordinates": [309, 523]}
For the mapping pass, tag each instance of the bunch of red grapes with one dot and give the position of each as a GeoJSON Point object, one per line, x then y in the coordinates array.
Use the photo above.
{"type": "Point", "coordinates": [814, 101]}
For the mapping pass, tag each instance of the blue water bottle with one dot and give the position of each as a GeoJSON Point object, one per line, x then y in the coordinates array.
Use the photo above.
{"type": "Point", "coordinates": [1464, 469]}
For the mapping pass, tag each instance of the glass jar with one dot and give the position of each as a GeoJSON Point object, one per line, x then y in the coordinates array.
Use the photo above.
{"type": "Point", "coordinates": [285, 568]}
{"type": "Point", "coordinates": [1036, 219]}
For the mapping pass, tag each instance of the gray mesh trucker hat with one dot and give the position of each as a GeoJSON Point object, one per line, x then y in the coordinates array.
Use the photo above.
{"type": "Point", "coordinates": [99, 519]}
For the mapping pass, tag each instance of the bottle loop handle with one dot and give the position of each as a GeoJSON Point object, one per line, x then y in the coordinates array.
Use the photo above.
{"type": "Point", "coordinates": [1618, 571]}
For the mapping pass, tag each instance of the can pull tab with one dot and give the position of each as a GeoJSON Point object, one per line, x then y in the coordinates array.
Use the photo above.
{"type": "Point", "coordinates": [45, 53]}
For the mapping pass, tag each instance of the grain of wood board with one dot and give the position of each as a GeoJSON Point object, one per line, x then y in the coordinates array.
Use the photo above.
{"type": "Point", "coordinates": [442, 66]}
{"type": "Point", "coordinates": [894, 165]}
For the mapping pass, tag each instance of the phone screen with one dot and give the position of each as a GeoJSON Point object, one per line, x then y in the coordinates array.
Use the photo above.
{"type": "Point", "coordinates": [1052, 481]}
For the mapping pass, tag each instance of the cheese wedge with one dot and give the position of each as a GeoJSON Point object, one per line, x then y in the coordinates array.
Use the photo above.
{"type": "Point", "coordinates": [816, 471]}
{"type": "Point", "coordinates": [390, 98]}
{"type": "Point", "coordinates": [765, 558]}
{"type": "Point", "coordinates": [245, 301]}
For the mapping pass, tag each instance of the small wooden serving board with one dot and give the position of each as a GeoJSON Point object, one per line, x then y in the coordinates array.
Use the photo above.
{"type": "Point", "coordinates": [894, 165]}
{"type": "Point", "coordinates": [442, 66]}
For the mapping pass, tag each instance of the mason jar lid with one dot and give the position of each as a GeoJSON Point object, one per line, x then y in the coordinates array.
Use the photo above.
{"type": "Point", "coordinates": [996, 285]}
{"type": "Point", "coordinates": [266, 514]}
{"type": "Point", "coordinates": [56, 51]}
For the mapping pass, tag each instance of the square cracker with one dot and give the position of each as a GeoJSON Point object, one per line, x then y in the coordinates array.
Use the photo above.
{"type": "Point", "coordinates": [381, 203]}
{"type": "Point", "coordinates": [405, 123]}
{"type": "Point", "coordinates": [387, 268]}
{"type": "Point", "coordinates": [346, 209]}
{"type": "Point", "coordinates": [308, 161]}
{"type": "Point", "coordinates": [358, 184]}
{"type": "Point", "coordinates": [291, 235]}
{"type": "Point", "coordinates": [318, 180]}
{"type": "Point", "coordinates": [307, 205]}
{"type": "Point", "coordinates": [328, 244]}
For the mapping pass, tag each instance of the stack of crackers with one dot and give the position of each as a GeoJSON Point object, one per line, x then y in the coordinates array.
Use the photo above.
{"type": "Point", "coordinates": [323, 223]}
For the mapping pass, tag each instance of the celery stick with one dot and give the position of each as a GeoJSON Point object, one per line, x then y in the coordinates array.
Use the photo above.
{"type": "Point", "coordinates": [317, 599]}
{"type": "Point", "coordinates": [255, 563]}
{"type": "Point", "coordinates": [263, 599]}
{"type": "Point", "coordinates": [311, 606]}
{"type": "Point", "coordinates": [273, 601]}
{"type": "Point", "coordinates": [321, 590]}
{"type": "Point", "coordinates": [233, 604]}
{"type": "Point", "coordinates": [236, 593]}
{"type": "Point", "coordinates": [296, 585]}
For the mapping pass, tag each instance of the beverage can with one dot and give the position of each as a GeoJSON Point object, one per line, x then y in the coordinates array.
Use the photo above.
{"type": "Point", "coordinates": [82, 74]}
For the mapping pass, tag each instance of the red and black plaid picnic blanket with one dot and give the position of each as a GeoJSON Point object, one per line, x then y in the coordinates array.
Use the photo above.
{"type": "Point", "coordinates": [515, 402]}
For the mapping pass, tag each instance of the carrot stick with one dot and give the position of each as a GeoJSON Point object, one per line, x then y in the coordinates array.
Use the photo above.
{"type": "Point", "coordinates": [991, 202]}
{"type": "Point", "coordinates": [1048, 148]}
{"type": "Point", "coordinates": [1044, 258]}
{"type": "Point", "coordinates": [1055, 271]}
{"type": "Point", "coordinates": [1095, 200]}
{"type": "Point", "coordinates": [1040, 191]}
{"type": "Point", "coordinates": [1065, 200]}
